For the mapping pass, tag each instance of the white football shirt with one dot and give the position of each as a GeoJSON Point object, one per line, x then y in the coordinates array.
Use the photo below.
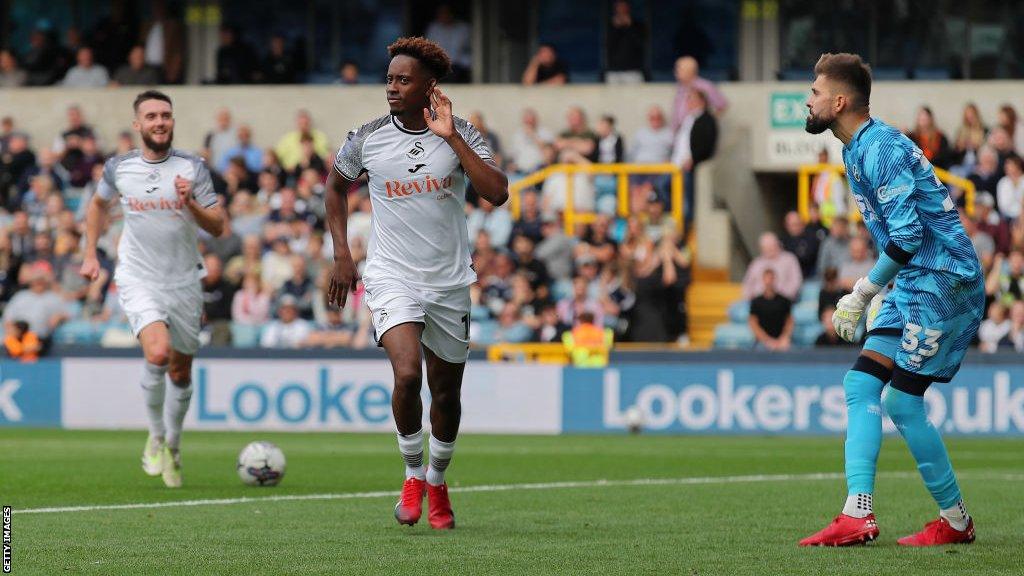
{"type": "Point", "coordinates": [158, 245]}
{"type": "Point", "coordinates": [418, 233]}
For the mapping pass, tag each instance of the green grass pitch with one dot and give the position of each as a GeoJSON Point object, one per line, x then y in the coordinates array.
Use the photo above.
{"type": "Point", "coordinates": [717, 524]}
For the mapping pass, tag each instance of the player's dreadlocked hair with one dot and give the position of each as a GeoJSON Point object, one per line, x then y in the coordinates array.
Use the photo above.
{"type": "Point", "coordinates": [428, 52]}
{"type": "Point", "coordinates": [848, 69]}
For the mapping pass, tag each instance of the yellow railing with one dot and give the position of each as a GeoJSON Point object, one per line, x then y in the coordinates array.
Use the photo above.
{"type": "Point", "coordinates": [621, 170]}
{"type": "Point", "coordinates": [808, 170]}
{"type": "Point", "coordinates": [530, 352]}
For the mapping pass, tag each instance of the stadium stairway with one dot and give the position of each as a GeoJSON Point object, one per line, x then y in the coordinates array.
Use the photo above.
{"type": "Point", "coordinates": [707, 304]}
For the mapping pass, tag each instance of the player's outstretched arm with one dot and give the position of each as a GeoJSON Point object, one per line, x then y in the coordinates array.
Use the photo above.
{"type": "Point", "coordinates": [94, 220]}
{"type": "Point", "coordinates": [343, 275]}
{"type": "Point", "coordinates": [488, 181]}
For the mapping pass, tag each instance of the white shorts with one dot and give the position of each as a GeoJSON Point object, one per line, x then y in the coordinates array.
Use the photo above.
{"type": "Point", "coordinates": [443, 313]}
{"type": "Point", "coordinates": [180, 308]}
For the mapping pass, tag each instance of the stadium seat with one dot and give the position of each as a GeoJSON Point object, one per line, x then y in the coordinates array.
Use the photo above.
{"type": "Point", "coordinates": [733, 336]}
{"type": "Point", "coordinates": [245, 335]}
{"type": "Point", "coordinates": [739, 312]}
{"type": "Point", "coordinates": [561, 289]}
{"type": "Point", "coordinates": [77, 332]}
{"type": "Point", "coordinates": [484, 332]}
{"type": "Point", "coordinates": [806, 313]}
{"type": "Point", "coordinates": [810, 290]}
{"type": "Point", "coordinates": [806, 335]}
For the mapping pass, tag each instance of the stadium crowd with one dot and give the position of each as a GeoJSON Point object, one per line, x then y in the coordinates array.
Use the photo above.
{"type": "Point", "coordinates": [268, 271]}
{"type": "Point", "coordinates": [791, 288]}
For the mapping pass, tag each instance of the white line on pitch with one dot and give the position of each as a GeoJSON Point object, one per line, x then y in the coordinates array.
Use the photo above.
{"type": "Point", "coordinates": [693, 481]}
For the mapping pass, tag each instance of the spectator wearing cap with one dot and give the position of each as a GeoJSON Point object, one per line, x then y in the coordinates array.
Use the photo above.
{"type": "Point", "coordinates": [989, 222]}
{"type": "Point", "coordinates": [39, 305]}
{"type": "Point", "coordinates": [787, 278]}
{"type": "Point", "coordinates": [289, 330]}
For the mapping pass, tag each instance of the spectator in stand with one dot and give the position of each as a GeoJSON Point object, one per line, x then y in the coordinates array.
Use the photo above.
{"type": "Point", "coordinates": [490, 138]}
{"type": "Point", "coordinates": [532, 268]}
{"type": "Point", "coordinates": [986, 172]}
{"type": "Point", "coordinates": [41, 61]}
{"type": "Point", "coordinates": [554, 191]}
{"type": "Point", "coordinates": [551, 326]}
{"type": "Point", "coordinates": [39, 305]}
{"type": "Point", "coordinates": [10, 75]}
{"type": "Point", "coordinates": [1009, 120]}
{"type": "Point", "coordinates": [802, 243]}
{"type": "Point", "coordinates": [828, 191]}
{"type": "Point", "coordinates": [86, 73]}
{"type": "Point", "coordinates": [164, 38]}
{"type": "Point", "coordinates": [289, 147]}
{"type": "Point", "coordinates": [771, 318]}
{"type": "Point", "coordinates": [695, 143]}
{"type": "Point", "coordinates": [578, 136]}
{"type": "Point", "coordinates": [455, 37]}
{"type": "Point", "coordinates": [828, 337]}
{"type": "Point", "coordinates": [652, 144]}
{"type": "Point", "coordinates": [530, 221]}
{"type": "Point", "coordinates": [970, 136]}
{"type": "Point", "coordinates": [1010, 189]}
{"type": "Point", "coordinates": [279, 65]}
{"type": "Point", "coordinates": [528, 143]}
{"type": "Point", "coordinates": [245, 150]}
{"type": "Point", "coordinates": [1016, 336]}
{"type": "Point", "coordinates": [21, 343]}
{"type": "Point", "coordinates": [136, 72]}
{"type": "Point", "coordinates": [1000, 141]}
{"type": "Point", "coordinates": [16, 163]}
{"type": "Point", "coordinates": [77, 129]}
{"type": "Point", "coordinates": [609, 142]}
{"type": "Point", "coordinates": [288, 331]}
{"type": "Point", "coordinates": [579, 301]}
{"type": "Point", "coordinates": [1005, 283]}
{"type": "Point", "coordinates": [511, 327]}
{"type": "Point", "coordinates": [626, 44]}
{"type": "Point", "coordinates": [348, 74]}
{"type": "Point", "coordinates": [546, 68]}
{"type": "Point", "coordinates": [787, 277]}
{"type": "Point", "coordinates": [300, 287]}
{"type": "Point", "coordinates": [994, 330]}
{"type": "Point", "coordinates": [859, 264]}
{"type": "Point", "coordinates": [984, 245]}
{"type": "Point", "coordinates": [989, 222]}
{"type": "Point", "coordinates": [236, 60]}
{"type": "Point", "coordinates": [688, 80]}
{"type": "Point", "coordinates": [932, 142]}
{"type": "Point", "coordinates": [835, 250]}
{"type": "Point", "coordinates": [831, 290]}
{"type": "Point", "coordinates": [218, 297]}
{"type": "Point", "coordinates": [6, 132]}
{"type": "Point", "coordinates": [494, 219]}
{"type": "Point", "coordinates": [220, 140]}
{"type": "Point", "coordinates": [250, 305]}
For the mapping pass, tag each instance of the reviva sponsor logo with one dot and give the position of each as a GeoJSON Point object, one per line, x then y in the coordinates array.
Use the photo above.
{"type": "Point", "coordinates": [137, 205]}
{"type": "Point", "coordinates": [398, 189]}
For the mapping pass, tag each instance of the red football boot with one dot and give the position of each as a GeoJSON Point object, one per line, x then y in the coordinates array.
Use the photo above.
{"type": "Point", "coordinates": [845, 531]}
{"type": "Point", "coordinates": [440, 508]}
{"type": "Point", "coordinates": [410, 503]}
{"type": "Point", "coordinates": [939, 533]}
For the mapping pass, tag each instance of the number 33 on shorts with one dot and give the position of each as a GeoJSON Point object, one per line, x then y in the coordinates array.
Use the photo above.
{"type": "Point", "coordinates": [920, 343]}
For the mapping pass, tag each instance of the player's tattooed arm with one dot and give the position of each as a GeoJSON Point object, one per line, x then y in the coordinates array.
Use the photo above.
{"type": "Point", "coordinates": [343, 274]}
{"type": "Point", "coordinates": [209, 218]}
{"type": "Point", "coordinates": [488, 181]}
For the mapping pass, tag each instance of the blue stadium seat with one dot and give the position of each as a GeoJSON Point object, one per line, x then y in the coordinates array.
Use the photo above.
{"type": "Point", "coordinates": [561, 289]}
{"type": "Point", "coordinates": [806, 335]}
{"type": "Point", "coordinates": [485, 332]}
{"type": "Point", "coordinates": [77, 332]}
{"type": "Point", "coordinates": [244, 335]}
{"type": "Point", "coordinates": [806, 313]}
{"type": "Point", "coordinates": [733, 336]}
{"type": "Point", "coordinates": [810, 290]}
{"type": "Point", "coordinates": [739, 311]}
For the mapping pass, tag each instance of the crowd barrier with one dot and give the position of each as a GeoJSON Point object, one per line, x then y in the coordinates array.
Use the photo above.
{"type": "Point", "coordinates": [674, 394]}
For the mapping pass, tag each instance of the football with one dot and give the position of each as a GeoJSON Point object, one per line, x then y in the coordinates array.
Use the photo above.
{"type": "Point", "coordinates": [261, 464]}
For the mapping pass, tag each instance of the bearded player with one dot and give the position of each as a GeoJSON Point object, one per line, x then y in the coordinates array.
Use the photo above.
{"type": "Point", "coordinates": [418, 265]}
{"type": "Point", "coordinates": [918, 333]}
{"type": "Point", "coordinates": [165, 194]}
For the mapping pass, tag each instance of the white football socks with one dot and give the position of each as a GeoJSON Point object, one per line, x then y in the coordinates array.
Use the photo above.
{"type": "Point", "coordinates": [178, 400]}
{"type": "Point", "coordinates": [153, 384]}
{"type": "Point", "coordinates": [859, 505]}
{"type": "Point", "coordinates": [956, 516]}
{"type": "Point", "coordinates": [411, 447]}
{"type": "Point", "coordinates": [440, 457]}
